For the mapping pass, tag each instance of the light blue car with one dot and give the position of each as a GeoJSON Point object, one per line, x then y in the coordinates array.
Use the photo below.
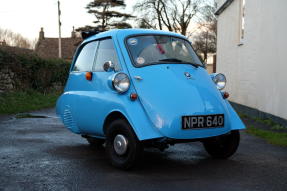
{"type": "Point", "coordinates": [135, 88]}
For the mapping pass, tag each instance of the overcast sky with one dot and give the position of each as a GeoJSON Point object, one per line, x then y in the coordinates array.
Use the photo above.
{"type": "Point", "coordinates": [28, 16]}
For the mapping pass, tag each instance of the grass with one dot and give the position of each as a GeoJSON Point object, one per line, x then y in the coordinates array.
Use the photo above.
{"type": "Point", "coordinates": [267, 129]}
{"type": "Point", "coordinates": [28, 115]}
{"type": "Point", "coordinates": [276, 138]}
{"type": "Point", "coordinates": [268, 122]}
{"type": "Point", "coordinates": [16, 102]}
{"type": "Point", "coordinates": [278, 127]}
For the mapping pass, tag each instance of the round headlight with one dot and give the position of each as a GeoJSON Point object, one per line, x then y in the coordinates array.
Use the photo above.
{"type": "Point", "coordinates": [219, 80]}
{"type": "Point", "coordinates": [121, 82]}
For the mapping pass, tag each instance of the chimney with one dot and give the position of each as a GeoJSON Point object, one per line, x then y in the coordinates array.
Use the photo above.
{"type": "Point", "coordinates": [41, 34]}
{"type": "Point", "coordinates": [73, 34]}
{"type": "Point", "coordinates": [3, 43]}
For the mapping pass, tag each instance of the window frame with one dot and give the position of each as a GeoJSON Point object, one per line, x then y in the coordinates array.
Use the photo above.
{"type": "Point", "coordinates": [78, 52]}
{"type": "Point", "coordinates": [80, 48]}
{"type": "Point", "coordinates": [114, 46]}
{"type": "Point", "coordinates": [155, 34]}
{"type": "Point", "coordinates": [242, 16]}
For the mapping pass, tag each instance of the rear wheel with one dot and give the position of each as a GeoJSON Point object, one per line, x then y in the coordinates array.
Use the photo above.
{"type": "Point", "coordinates": [122, 145]}
{"type": "Point", "coordinates": [223, 146]}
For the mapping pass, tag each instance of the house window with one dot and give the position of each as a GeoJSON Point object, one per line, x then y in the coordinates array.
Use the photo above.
{"type": "Point", "coordinates": [242, 22]}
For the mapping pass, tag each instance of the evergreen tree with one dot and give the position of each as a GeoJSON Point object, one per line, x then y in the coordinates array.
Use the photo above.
{"type": "Point", "coordinates": [107, 15]}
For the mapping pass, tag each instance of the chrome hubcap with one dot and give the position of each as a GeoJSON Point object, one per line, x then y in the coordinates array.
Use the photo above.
{"type": "Point", "coordinates": [120, 144]}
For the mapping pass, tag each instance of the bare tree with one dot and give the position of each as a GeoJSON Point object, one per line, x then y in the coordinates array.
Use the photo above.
{"type": "Point", "coordinates": [177, 16]}
{"type": "Point", "coordinates": [14, 39]}
{"type": "Point", "coordinates": [204, 42]}
{"type": "Point", "coordinates": [172, 15]}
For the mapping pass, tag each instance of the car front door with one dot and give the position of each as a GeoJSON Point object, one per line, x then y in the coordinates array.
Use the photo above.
{"type": "Point", "coordinates": [95, 92]}
{"type": "Point", "coordinates": [77, 84]}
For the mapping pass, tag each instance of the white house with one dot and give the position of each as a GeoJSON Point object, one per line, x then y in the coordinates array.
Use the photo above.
{"type": "Point", "coordinates": [252, 53]}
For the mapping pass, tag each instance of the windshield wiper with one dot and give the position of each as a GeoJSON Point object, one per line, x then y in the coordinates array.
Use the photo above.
{"type": "Point", "coordinates": [178, 60]}
{"type": "Point", "coordinates": [170, 60]}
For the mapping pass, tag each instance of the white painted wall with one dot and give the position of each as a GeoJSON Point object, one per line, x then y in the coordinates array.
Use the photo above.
{"type": "Point", "coordinates": [257, 70]}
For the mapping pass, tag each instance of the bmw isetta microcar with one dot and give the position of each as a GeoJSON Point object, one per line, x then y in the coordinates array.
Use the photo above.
{"type": "Point", "coordinates": [135, 88]}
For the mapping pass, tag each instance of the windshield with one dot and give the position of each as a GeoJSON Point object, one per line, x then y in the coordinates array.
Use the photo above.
{"type": "Point", "coordinates": [159, 49]}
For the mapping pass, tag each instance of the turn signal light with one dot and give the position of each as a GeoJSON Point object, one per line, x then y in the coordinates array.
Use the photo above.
{"type": "Point", "coordinates": [225, 95]}
{"type": "Point", "coordinates": [134, 96]}
{"type": "Point", "coordinates": [89, 76]}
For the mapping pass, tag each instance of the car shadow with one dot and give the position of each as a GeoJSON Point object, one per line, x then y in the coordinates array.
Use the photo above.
{"type": "Point", "coordinates": [181, 161]}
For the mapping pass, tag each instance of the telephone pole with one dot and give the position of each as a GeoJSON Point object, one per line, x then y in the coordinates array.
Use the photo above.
{"type": "Point", "coordinates": [59, 21]}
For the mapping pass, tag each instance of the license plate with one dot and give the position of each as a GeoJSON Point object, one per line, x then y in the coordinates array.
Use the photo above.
{"type": "Point", "coordinates": [202, 121]}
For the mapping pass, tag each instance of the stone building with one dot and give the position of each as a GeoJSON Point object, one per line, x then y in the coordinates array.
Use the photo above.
{"type": "Point", "coordinates": [49, 47]}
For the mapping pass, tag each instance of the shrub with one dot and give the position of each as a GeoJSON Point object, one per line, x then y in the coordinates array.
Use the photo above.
{"type": "Point", "coordinates": [32, 72]}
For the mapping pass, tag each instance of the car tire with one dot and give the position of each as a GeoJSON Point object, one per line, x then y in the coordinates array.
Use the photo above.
{"type": "Point", "coordinates": [222, 146]}
{"type": "Point", "coordinates": [122, 145]}
{"type": "Point", "coordinates": [95, 142]}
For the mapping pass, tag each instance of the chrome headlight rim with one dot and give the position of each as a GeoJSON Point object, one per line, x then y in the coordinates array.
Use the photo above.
{"type": "Point", "coordinates": [220, 80]}
{"type": "Point", "coordinates": [116, 80]}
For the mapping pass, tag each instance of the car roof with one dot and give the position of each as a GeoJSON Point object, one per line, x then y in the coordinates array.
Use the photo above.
{"type": "Point", "coordinates": [123, 33]}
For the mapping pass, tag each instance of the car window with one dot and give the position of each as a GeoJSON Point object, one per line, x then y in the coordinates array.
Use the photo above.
{"type": "Point", "coordinates": [106, 52]}
{"type": "Point", "coordinates": [86, 57]}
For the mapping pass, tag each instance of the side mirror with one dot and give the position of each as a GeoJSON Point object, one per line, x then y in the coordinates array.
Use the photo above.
{"type": "Point", "coordinates": [108, 66]}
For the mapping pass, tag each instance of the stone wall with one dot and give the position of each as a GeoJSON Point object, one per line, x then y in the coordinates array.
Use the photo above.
{"type": "Point", "coordinates": [7, 82]}
{"type": "Point", "coordinates": [22, 69]}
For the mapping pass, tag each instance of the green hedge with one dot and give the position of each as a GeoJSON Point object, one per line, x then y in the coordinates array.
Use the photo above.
{"type": "Point", "coordinates": [33, 72]}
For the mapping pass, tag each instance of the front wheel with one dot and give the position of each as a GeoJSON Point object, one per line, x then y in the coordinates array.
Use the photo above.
{"type": "Point", "coordinates": [122, 145]}
{"type": "Point", "coordinates": [223, 146]}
